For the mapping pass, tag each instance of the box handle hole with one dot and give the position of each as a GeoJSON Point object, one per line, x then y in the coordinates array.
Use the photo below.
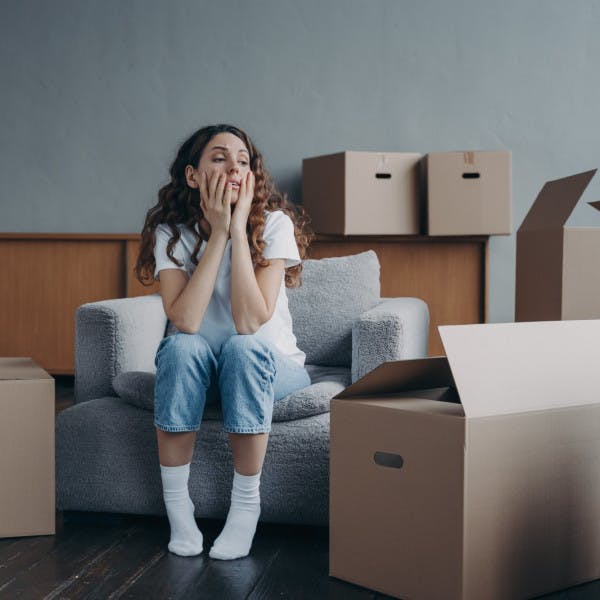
{"type": "Point", "coordinates": [471, 175]}
{"type": "Point", "coordinates": [383, 175]}
{"type": "Point", "coordinates": [387, 459]}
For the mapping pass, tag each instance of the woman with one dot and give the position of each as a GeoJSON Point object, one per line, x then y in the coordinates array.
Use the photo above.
{"type": "Point", "coordinates": [224, 244]}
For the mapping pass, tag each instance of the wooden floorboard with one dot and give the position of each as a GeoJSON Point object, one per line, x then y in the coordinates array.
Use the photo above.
{"type": "Point", "coordinates": [169, 577]}
{"type": "Point", "coordinates": [98, 556]}
{"type": "Point", "coordinates": [20, 554]}
{"type": "Point", "coordinates": [308, 547]}
{"type": "Point", "coordinates": [127, 558]}
{"type": "Point", "coordinates": [231, 579]}
{"type": "Point", "coordinates": [70, 556]}
{"type": "Point", "coordinates": [117, 566]}
{"type": "Point", "coordinates": [186, 577]}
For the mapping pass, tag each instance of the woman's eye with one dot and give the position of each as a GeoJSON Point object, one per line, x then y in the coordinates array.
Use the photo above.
{"type": "Point", "coordinates": [218, 159]}
{"type": "Point", "coordinates": [242, 162]}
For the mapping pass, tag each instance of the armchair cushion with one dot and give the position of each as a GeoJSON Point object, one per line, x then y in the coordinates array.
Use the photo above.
{"type": "Point", "coordinates": [333, 294]}
{"type": "Point", "coordinates": [137, 388]}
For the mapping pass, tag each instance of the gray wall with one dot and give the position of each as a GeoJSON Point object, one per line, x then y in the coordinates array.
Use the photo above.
{"type": "Point", "coordinates": [97, 95]}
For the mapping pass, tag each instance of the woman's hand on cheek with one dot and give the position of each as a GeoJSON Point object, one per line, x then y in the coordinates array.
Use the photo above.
{"type": "Point", "coordinates": [215, 201]}
{"type": "Point", "coordinates": [239, 218]}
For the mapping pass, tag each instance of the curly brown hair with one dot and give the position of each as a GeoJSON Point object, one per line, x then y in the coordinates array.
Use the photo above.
{"type": "Point", "coordinates": [178, 203]}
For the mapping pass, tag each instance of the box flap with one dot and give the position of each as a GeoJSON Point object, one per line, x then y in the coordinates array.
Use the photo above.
{"type": "Point", "coordinates": [539, 275]}
{"type": "Point", "coordinates": [556, 202]}
{"type": "Point", "coordinates": [21, 368]}
{"type": "Point", "coordinates": [402, 376]}
{"type": "Point", "coordinates": [509, 368]}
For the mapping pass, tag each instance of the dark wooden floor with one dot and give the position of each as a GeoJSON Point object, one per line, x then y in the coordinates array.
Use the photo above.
{"type": "Point", "coordinates": [104, 556]}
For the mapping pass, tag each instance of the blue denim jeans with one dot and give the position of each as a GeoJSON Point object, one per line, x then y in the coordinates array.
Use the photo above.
{"type": "Point", "coordinates": [247, 377]}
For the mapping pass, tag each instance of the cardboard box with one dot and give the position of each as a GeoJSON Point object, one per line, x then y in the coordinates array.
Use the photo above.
{"type": "Point", "coordinates": [558, 274]}
{"type": "Point", "coordinates": [363, 193]}
{"type": "Point", "coordinates": [472, 476]}
{"type": "Point", "coordinates": [469, 193]}
{"type": "Point", "coordinates": [27, 485]}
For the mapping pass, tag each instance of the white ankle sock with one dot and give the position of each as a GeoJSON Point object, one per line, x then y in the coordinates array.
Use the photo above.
{"type": "Point", "coordinates": [186, 538]}
{"type": "Point", "coordinates": [237, 535]}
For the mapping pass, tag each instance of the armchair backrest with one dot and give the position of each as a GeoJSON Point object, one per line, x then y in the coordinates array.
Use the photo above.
{"type": "Point", "coordinates": [334, 292]}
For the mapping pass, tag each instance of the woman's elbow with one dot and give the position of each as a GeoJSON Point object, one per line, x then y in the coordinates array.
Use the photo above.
{"type": "Point", "coordinates": [189, 330]}
{"type": "Point", "coordinates": [248, 327]}
{"type": "Point", "coordinates": [190, 326]}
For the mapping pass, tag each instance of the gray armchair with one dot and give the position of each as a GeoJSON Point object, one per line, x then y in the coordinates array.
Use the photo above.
{"type": "Point", "coordinates": [106, 450]}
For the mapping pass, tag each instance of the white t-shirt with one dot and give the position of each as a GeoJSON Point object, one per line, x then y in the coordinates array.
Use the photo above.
{"type": "Point", "coordinates": [218, 324]}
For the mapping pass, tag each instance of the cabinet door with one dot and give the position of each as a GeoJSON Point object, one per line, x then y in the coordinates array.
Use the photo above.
{"type": "Point", "coordinates": [43, 284]}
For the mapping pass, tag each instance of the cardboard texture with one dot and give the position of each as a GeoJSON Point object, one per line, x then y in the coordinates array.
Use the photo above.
{"type": "Point", "coordinates": [468, 193]}
{"type": "Point", "coordinates": [483, 481]}
{"type": "Point", "coordinates": [363, 193]}
{"type": "Point", "coordinates": [557, 274]}
{"type": "Point", "coordinates": [27, 484]}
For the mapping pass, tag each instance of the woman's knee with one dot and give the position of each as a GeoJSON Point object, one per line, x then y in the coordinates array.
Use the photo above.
{"type": "Point", "coordinates": [240, 349]}
{"type": "Point", "coordinates": [246, 374]}
{"type": "Point", "coordinates": [181, 346]}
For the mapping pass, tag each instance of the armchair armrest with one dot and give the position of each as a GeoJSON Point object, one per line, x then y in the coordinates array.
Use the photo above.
{"type": "Point", "coordinates": [112, 336]}
{"type": "Point", "coordinates": [395, 329]}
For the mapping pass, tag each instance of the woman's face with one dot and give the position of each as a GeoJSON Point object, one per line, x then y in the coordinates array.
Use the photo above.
{"type": "Point", "coordinates": [224, 154]}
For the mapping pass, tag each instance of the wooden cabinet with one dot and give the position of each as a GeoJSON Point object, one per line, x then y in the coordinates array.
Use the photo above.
{"type": "Point", "coordinates": [47, 276]}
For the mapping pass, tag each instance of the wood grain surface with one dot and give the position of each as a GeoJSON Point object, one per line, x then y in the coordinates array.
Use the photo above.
{"type": "Point", "coordinates": [47, 276]}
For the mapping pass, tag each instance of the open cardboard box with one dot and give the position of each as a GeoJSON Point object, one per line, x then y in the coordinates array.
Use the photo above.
{"type": "Point", "coordinates": [558, 266]}
{"type": "Point", "coordinates": [472, 476]}
{"type": "Point", "coordinates": [27, 484]}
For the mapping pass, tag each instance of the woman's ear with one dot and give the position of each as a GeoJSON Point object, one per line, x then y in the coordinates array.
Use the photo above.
{"type": "Point", "coordinates": [190, 176]}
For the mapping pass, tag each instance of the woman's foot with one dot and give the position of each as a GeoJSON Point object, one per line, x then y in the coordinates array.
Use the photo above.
{"type": "Point", "coordinates": [236, 538]}
{"type": "Point", "coordinates": [186, 538]}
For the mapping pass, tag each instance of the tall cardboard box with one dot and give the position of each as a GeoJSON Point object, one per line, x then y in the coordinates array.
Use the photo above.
{"type": "Point", "coordinates": [27, 485]}
{"type": "Point", "coordinates": [475, 476]}
{"type": "Point", "coordinates": [558, 266]}
{"type": "Point", "coordinates": [362, 193]}
{"type": "Point", "coordinates": [469, 193]}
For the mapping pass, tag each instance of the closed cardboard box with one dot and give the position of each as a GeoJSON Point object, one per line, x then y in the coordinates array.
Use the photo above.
{"type": "Point", "coordinates": [469, 193]}
{"type": "Point", "coordinates": [363, 193]}
{"type": "Point", "coordinates": [27, 492]}
{"type": "Point", "coordinates": [558, 266]}
{"type": "Point", "coordinates": [472, 476]}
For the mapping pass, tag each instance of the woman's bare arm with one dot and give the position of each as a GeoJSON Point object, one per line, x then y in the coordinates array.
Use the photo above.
{"type": "Point", "coordinates": [185, 299]}
{"type": "Point", "coordinates": [253, 293]}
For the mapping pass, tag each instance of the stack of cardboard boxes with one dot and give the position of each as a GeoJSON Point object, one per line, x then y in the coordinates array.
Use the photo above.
{"type": "Point", "coordinates": [475, 475]}
{"type": "Point", "coordinates": [397, 193]}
